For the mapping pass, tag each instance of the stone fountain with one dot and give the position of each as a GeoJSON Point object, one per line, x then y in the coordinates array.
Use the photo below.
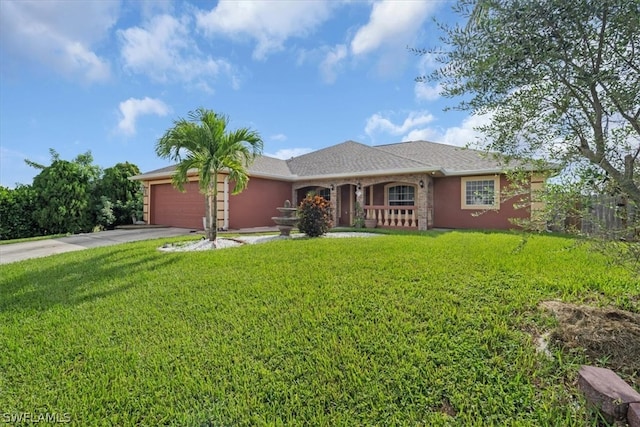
{"type": "Point", "coordinates": [288, 219]}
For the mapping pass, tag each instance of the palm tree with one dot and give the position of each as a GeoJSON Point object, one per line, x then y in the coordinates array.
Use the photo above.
{"type": "Point", "coordinates": [204, 143]}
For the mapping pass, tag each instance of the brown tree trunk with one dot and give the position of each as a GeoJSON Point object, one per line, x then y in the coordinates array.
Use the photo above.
{"type": "Point", "coordinates": [212, 212]}
{"type": "Point", "coordinates": [214, 217]}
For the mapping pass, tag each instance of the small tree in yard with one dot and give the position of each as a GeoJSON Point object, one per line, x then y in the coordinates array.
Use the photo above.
{"type": "Point", "coordinates": [205, 144]}
{"type": "Point", "coordinates": [64, 192]}
{"type": "Point", "coordinates": [558, 81]}
{"type": "Point", "coordinates": [314, 215]}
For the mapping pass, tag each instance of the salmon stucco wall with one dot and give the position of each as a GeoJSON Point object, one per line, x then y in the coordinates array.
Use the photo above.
{"type": "Point", "coordinates": [448, 212]}
{"type": "Point", "coordinates": [177, 209]}
{"type": "Point", "coordinates": [257, 204]}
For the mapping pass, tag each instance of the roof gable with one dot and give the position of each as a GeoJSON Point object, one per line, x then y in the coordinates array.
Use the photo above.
{"type": "Point", "coordinates": [348, 157]}
{"type": "Point", "coordinates": [265, 165]}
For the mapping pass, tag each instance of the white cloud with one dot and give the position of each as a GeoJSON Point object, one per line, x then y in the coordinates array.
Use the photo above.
{"type": "Point", "coordinates": [132, 108]}
{"type": "Point", "coordinates": [425, 92]}
{"type": "Point", "coordinates": [466, 133]}
{"type": "Point", "coordinates": [391, 23]}
{"type": "Point", "coordinates": [415, 128]}
{"type": "Point", "coordinates": [462, 135]}
{"type": "Point", "coordinates": [59, 34]}
{"type": "Point", "coordinates": [270, 24]}
{"type": "Point", "coordinates": [150, 8]}
{"type": "Point", "coordinates": [391, 27]}
{"type": "Point", "coordinates": [330, 65]}
{"type": "Point", "coordinates": [278, 137]}
{"type": "Point", "coordinates": [164, 50]}
{"type": "Point", "coordinates": [377, 123]}
{"type": "Point", "coordinates": [427, 63]}
{"type": "Point", "coordinates": [86, 62]}
{"type": "Point", "coordinates": [424, 134]}
{"type": "Point", "coordinates": [287, 153]}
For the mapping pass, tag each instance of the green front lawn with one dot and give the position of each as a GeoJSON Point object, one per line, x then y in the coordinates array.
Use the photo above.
{"type": "Point", "coordinates": [415, 330]}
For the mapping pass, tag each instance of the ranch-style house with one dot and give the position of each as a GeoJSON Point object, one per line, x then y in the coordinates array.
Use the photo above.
{"type": "Point", "coordinates": [414, 185]}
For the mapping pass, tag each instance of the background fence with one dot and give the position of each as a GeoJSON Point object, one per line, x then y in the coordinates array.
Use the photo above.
{"type": "Point", "coordinates": [604, 213]}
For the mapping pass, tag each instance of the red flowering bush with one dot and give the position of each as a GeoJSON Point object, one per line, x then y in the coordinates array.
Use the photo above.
{"type": "Point", "coordinates": [314, 214]}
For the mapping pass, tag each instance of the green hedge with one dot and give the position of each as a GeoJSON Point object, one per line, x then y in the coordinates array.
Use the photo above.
{"type": "Point", "coordinates": [16, 213]}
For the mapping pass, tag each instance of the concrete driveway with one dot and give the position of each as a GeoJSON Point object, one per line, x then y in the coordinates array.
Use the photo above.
{"type": "Point", "coordinates": [39, 248]}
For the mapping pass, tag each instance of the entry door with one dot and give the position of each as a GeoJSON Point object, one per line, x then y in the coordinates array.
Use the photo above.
{"type": "Point", "coordinates": [346, 203]}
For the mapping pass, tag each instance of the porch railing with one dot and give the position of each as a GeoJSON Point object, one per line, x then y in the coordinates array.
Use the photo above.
{"type": "Point", "coordinates": [392, 216]}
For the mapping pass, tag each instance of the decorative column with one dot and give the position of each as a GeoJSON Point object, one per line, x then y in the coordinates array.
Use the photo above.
{"type": "Point", "coordinates": [422, 202]}
{"type": "Point", "coordinates": [334, 204]}
{"type": "Point", "coordinates": [359, 199]}
{"type": "Point", "coordinates": [429, 202]}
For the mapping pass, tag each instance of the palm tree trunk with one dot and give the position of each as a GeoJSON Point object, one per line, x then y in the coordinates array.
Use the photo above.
{"type": "Point", "coordinates": [211, 222]}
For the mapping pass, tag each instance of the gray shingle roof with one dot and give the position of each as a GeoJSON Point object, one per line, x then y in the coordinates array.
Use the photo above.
{"type": "Point", "coordinates": [352, 157]}
{"type": "Point", "coordinates": [270, 166]}
{"type": "Point", "coordinates": [166, 169]}
{"type": "Point", "coordinates": [447, 157]}
{"type": "Point", "coordinates": [263, 165]}
{"type": "Point", "coordinates": [348, 157]}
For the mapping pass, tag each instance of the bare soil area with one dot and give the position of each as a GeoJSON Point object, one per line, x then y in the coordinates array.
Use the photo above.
{"type": "Point", "coordinates": [610, 337]}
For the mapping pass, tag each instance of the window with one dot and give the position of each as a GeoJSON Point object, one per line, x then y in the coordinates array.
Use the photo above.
{"type": "Point", "coordinates": [401, 195]}
{"type": "Point", "coordinates": [480, 192]}
{"type": "Point", "coordinates": [325, 193]}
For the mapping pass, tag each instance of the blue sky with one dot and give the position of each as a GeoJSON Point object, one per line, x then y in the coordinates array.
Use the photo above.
{"type": "Point", "coordinates": [112, 76]}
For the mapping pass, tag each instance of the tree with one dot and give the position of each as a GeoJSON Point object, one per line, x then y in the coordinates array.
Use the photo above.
{"type": "Point", "coordinates": [115, 183]}
{"type": "Point", "coordinates": [72, 196]}
{"type": "Point", "coordinates": [561, 80]}
{"type": "Point", "coordinates": [123, 195]}
{"type": "Point", "coordinates": [63, 201]}
{"type": "Point", "coordinates": [64, 192]}
{"type": "Point", "coordinates": [203, 143]}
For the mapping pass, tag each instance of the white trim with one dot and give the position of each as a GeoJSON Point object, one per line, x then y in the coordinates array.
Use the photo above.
{"type": "Point", "coordinates": [294, 178]}
{"type": "Point", "coordinates": [297, 178]}
{"type": "Point", "coordinates": [474, 172]}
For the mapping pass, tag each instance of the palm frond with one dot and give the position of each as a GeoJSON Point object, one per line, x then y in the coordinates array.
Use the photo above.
{"type": "Point", "coordinates": [181, 176]}
{"type": "Point", "coordinates": [202, 142]}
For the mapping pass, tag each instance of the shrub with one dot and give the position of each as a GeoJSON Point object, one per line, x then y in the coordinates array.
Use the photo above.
{"type": "Point", "coordinates": [16, 213]}
{"type": "Point", "coordinates": [314, 215]}
{"type": "Point", "coordinates": [105, 217]}
{"type": "Point", "coordinates": [125, 212]}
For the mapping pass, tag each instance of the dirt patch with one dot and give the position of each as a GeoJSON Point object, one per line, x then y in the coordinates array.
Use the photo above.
{"type": "Point", "coordinates": [609, 337]}
{"type": "Point", "coordinates": [447, 408]}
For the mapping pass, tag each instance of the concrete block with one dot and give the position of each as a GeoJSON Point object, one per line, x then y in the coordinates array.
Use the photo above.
{"type": "Point", "coordinates": [633, 415]}
{"type": "Point", "coordinates": [607, 391]}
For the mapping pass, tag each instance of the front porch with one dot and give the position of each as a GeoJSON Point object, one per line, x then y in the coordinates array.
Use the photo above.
{"type": "Point", "coordinates": [403, 201]}
{"type": "Point", "coordinates": [392, 216]}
